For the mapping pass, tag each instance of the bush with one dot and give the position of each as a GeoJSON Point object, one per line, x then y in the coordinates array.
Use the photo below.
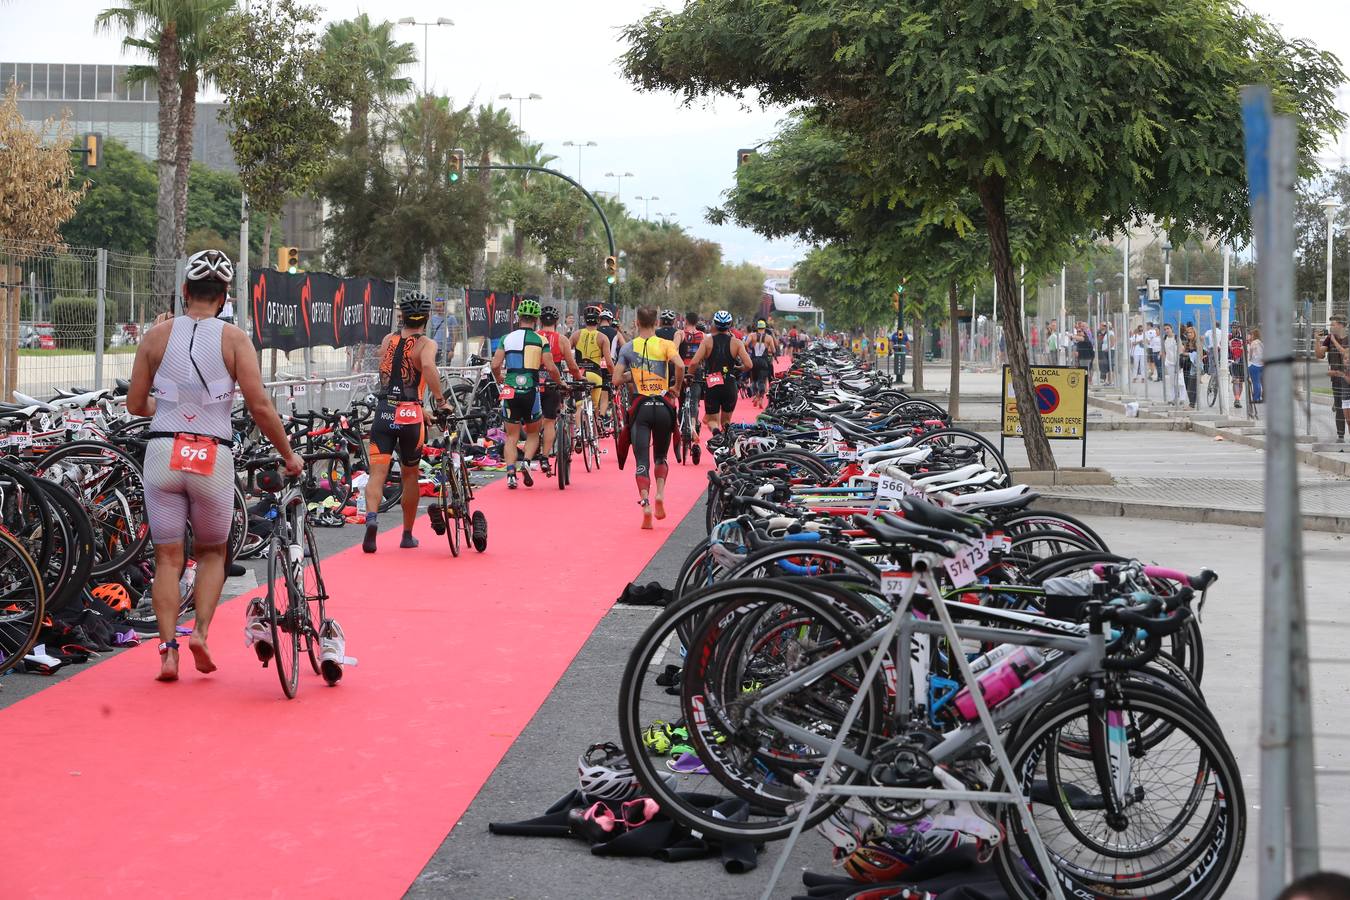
{"type": "Point", "coordinates": [75, 319]}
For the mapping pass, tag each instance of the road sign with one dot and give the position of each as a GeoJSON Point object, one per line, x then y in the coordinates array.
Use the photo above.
{"type": "Point", "coordinates": [1061, 398]}
{"type": "Point", "coordinates": [883, 347]}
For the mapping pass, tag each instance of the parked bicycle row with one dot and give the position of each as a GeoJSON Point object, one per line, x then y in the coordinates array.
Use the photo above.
{"type": "Point", "coordinates": [884, 639]}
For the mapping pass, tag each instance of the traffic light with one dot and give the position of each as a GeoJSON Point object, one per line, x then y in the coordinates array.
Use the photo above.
{"type": "Point", "coordinates": [93, 150]}
{"type": "Point", "coordinates": [743, 156]}
{"type": "Point", "coordinates": [288, 259]}
{"type": "Point", "coordinates": [456, 165]}
{"type": "Point", "coordinates": [611, 270]}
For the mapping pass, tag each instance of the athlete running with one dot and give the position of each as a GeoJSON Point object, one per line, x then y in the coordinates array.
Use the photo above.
{"type": "Point", "coordinates": [516, 365]}
{"type": "Point", "coordinates": [763, 348]}
{"type": "Point", "coordinates": [407, 362]}
{"type": "Point", "coordinates": [654, 368]}
{"type": "Point", "coordinates": [184, 376]}
{"type": "Point", "coordinates": [721, 357]}
{"type": "Point", "coordinates": [591, 348]}
{"type": "Point", "coordinates": [551, 391]}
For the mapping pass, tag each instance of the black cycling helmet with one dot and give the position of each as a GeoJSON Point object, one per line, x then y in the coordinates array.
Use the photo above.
{"type": "Point", "coordinates": [548, 315]}
{"type": "Point", "coordinates": [668, 316]}
{"type": "Point", "coordinates": [591, 315]}
{"type": "Point", "coordinates": [415, 306]}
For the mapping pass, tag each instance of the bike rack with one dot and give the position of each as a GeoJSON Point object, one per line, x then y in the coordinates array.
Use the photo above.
{"type": "Point", "coordinates": [922, 577]}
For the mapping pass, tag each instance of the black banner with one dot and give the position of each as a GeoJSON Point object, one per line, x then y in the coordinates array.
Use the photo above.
{"type": "Point", "coordinates": [492, 314]}
{"type": "Point", "coordinates": [315, 309]}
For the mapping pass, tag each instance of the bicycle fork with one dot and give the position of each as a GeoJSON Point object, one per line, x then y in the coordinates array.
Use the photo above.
{"type": "Point", "coordinates": [1109, 744]}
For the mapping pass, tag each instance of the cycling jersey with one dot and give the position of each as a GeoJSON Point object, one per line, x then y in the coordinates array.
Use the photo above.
{"type": "Point", "coordinates": [400, 382]}
{"type": "Point", "coordinates": [652, 363]}
{"type": "Point", "coordinates": [406, 383]}
{"type": "Point", "coordinates": [555, 346]}
{"type": "Point", "coordinates": [524, 357]}
{"type": "Point", "coordinates": [612, 332]}
{"type": "Point", "coordinates": [588, 347]}
{"type": "Point", "coordinates": [692, 339]}
{"type": "Point", "coordinates": [720, 358]}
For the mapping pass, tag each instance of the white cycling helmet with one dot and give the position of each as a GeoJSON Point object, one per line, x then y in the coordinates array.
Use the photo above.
{"type": "Point", "coordinates": [722, 319]}
{"type": "Point", "coordinates": [210, 265]}
{"type": "Point", "coordinates": [603, 773]}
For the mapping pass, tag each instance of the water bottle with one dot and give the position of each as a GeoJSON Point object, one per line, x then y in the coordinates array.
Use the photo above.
{"type": "Point", "coordinates": [361, 503]}
{"type": "Point", "coordinates": [999, 681]}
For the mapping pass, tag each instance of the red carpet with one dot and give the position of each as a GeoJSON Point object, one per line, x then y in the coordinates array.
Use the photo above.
{"type": "Point", "coordinates": [218, 787]}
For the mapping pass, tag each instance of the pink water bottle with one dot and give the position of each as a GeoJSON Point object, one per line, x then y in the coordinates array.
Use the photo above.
{"type": "Point", "coordinates": [998, 684]}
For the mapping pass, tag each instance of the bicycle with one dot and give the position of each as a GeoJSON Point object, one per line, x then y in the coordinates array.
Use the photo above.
{"type": "Point", "coordinates": [564, 432]}
{"type": "Point", "coordinates": [687, 448]}
{"type": "Point", "coordinates": [452, 514]}
{"type": "Point", "coordinates": [588, 434]}
{"type": "Point", "coordinates": [293, 609]}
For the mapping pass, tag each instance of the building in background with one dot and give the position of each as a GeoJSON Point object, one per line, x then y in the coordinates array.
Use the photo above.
{"type": "Point", "coordinates": [98, 98]}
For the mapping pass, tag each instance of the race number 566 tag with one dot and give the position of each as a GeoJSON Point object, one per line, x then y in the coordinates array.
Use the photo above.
{"type": "Point", "coordinates": [891, 488]}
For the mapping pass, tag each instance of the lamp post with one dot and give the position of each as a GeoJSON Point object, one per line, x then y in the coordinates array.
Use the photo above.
{"type": "Point", "coordinates": [646, 205]}
{"type": "Point", "coordinates": [666, 217]}
{"type": "Point", "coordinates": [618, 192]}
{"type": "Point", "coordinates": [426, 36]}
{"type": "Point", "coordinates": [1330, 206]}
{"type": "Point", "coordinates": [1167, 261]}
{"type": "Point", "coordinates": [1097, 308]}
{"type": "Point", "coordinates": [520, 106]}
{"type": "Point", "coordinates": [580, 145]}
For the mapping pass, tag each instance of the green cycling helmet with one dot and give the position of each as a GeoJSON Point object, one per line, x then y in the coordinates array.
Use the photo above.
{"type": "Point", "coordinates": [528, 308]}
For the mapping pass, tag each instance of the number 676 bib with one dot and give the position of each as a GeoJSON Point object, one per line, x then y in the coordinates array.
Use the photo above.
{"type": "Point", "coordinates": [193, 454]}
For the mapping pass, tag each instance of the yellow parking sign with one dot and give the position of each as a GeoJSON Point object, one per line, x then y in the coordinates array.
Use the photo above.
{"type": "Point", "coordinates": [857, 346]}
{"type": "Point", "coordinates": [1061, 397]}
{"type": "Point", "coordinates": [883, 347]}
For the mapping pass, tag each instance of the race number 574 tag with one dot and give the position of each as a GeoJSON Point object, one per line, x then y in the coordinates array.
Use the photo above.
{"type": "Point", "coordinates": [961, 568]}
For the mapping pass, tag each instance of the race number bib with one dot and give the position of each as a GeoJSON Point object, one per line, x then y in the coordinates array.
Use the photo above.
{"type": "Point", "coordinates": [505, 392]}
{"type": "Point", "coordinates": [193, 454]}
{"type": "Point", "coordinates": [715, 379]}
{"type": "Point", "coordinates": [408, 414]}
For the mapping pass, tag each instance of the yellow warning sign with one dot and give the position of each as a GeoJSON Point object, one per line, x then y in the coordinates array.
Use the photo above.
{"type": "Point", "coordinates": [1061, 396]}
{"type": "Point", "coordinates": [883, 347]}
{"type": "Point", "coordinates": [857, 346]}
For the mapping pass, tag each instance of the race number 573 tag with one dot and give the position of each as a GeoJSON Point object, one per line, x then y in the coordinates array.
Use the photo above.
{"type": "Point", "coordinates": [893, 582]}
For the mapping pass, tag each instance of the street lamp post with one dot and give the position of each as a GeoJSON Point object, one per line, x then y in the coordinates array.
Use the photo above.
{"type": "Point", "coordinates": [1330, 206]}
{"type": "Point", "coordinates": [520, 106]}
{"type": "Point", "coordinates": [580, 145]}
{"type": "Point", "coordinates": [1167, 261]}
{"type": "Point", "coordinates": [426, 36]}
{"type": "Point", "coordinates": [646, 206]}
{"type": "Point", "coordinates": [618, 192]}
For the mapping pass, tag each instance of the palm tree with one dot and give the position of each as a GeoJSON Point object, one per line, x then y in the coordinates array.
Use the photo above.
{"type": "Point", "coordinates": [158, 18]}
{"type": "Point", "coordinates": [493, 134]}
{"type": "Point", "coordinates": [374, 62]}
{"type": "Point", "coordinates": [198, 44]}
{"type": "Point", "coordinates": [524, 154]}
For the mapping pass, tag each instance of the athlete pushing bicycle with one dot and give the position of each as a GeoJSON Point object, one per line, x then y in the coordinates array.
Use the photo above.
{"type": "Point", "coordinates": [184, 376]}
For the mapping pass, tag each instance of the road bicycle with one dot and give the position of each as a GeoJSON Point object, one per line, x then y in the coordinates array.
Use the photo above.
{"type": "Point", "coordinates": [295, 605]}
{"type": "Point", "coordinates": [687, 447]}
{"type": "Point", "coordinates": [452, 514]}
{"type": "Point", "coordinates": [588, 433]}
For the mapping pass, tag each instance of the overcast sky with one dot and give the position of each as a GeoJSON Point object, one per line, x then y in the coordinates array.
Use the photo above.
{"type": "Point", "coordinates": [566, 51]}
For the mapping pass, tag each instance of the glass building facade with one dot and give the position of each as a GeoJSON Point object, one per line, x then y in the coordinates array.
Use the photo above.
{"type": "Point", "coordinates": [98, 98]}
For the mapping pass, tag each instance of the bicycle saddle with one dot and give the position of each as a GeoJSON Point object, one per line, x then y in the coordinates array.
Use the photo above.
{"type": "Point", "coordinates": [1015, 497]}
{"type": "Point", "coordinates": [931, 516]}
{"type": "Point", "coordinates": [951, 476]}
{"type": "Point", "coordinates": [887, 529]}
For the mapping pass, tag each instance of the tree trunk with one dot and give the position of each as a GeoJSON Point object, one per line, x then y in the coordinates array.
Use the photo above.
{"type": "Point", "coordinates": [992, 191]}
{"type": "Point", "coordinates": [187, 118]}
{"type": "Point", "coordinates": [360, 116]}
{"type": "Point", "coordinates": [518, 243]}
{"type": "Point", "coordinates": [919, 330]}
{"type": "Point", "coordinates": [166, 149]}
{"type": "Point", "coordinates": [954, 356]}
{"type": "Point", "coordinates": [267, 240]}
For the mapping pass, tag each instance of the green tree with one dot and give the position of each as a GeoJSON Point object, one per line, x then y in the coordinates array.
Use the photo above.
{"type": "Point", "coordinates": [282, 96]}
{"type": "Point", "coordinates": [118, 210]}
{"type": "Point", "coordinates": [1096, 112]}
{"type": "Point", "coordinates": [493, 135]}
{"type": "Point", "coordinates": [374, 63]}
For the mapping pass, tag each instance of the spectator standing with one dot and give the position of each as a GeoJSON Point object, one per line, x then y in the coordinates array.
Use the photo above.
{"type": "Point", "coordinates": [444, 326]}
{"type": "Point", "coordinates": [1333, 347]}
{"type": "Point", "coordinates": [1105, 346]}
{"type": "Point", "coordinates": [1052, 343]}
{"type": "Point", "coordinates": [1171, 353]}
{"type": "Point", "coordinates": [1154, 338]}
{"type": "Point", "coordinates": [1256, 364]}
{"type": "Point", "coordinates": [1190, 361]}
{"type": "Point", "coordinates": [1137, 354]}
{"type": "Point", "coordinates": [1236, 367]}
{"type": "Point", "coordinates": [1083, 344]}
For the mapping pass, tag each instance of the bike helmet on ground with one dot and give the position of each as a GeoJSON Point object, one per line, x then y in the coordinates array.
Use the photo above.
{"type": "Point", "coordinates": [668, 316]}
{"type": "Point", "coordinates": [603, 773]}
{"type": "Point", "coordinates": [114, 594]}
{"type": "Point", "coordinates": [548, 315]}
{"type": "Point", "coordinates": [527, 309]}
{"type": "Point", "coordinates": [210, 265]}
{"type": "Point", "coordinates": [590, 315]}
{"type": "Point", "coordinates": [722, 319]}
{"type": "Point", "coordinates": [415, 305]}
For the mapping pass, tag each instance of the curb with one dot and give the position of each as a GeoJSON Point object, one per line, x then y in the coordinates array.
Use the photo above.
{"type": "Point", "coordinates": [1096, 506]}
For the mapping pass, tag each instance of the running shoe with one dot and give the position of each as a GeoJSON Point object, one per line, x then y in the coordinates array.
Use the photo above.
{"type": "Point", "coordinates": [437, 518]}
{"type": "Point", "coordinates": [333, 645]}
{"type": "Point", "coordinates": [687, 764]}
{"type": "Point", "coordinates": [545, 467]}
{"type": "Point", "coordinates": [510, 479]}
{"type": "Point", "coordinates": [257, 630]}
{"type": "Point", "coordinates": [525, 473]}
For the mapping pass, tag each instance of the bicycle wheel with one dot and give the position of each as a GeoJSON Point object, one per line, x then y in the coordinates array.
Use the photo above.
{"type": "Point", "coordinates": [1047, 544]}
{"type": "Point", "coordinates": [107, 481]}
{"type": "Point", "coordinates": [750, 631]}
{"type": "Point", "coordinates": [68, 566]}
{"type": "Point", "coordinates": [393, 487]}
{"type": "Point", "coordinates": [316, 598]}
{"type": "Point", "coordinates": [965, 447]}
{"type": "Point", "coordinates": [1212, 390]}
{"type": "Point", "coordinates": [1041, 520]}
{"type": "Point", "coordinates": [452, 504]}
{"type": "Point", "coordinates": [281, 616]}
{"type": "Point", "coordinates": [562, 449]}
{"type": "Point", "coordinates": [27, 515]}
{"type": "Point", "coordinates": [1185, 815]}
{"type": "Point", "coordinates": [587, 438]}
{"type": "Point", "coordinates": [22, 601]}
